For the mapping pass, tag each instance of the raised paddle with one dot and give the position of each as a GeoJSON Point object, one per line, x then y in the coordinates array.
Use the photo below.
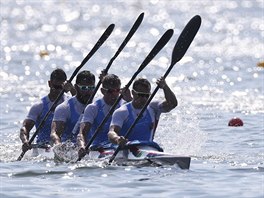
{"type": "Point", "coordinates": [101, 40]}
{"type": "Point", "coordinates": [128, 37]}
{"type": "Point", "coordinates": [161, 43]}
{"type": "Point", "coordinates": [184, 41]}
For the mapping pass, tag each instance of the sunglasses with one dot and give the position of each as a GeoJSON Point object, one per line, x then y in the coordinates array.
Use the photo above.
{"type": "Point", "coordinates": [111, 90]}
{"type": "Point", "coordinates": [85, 88]}
{"type": "Point", "coordinates": [57, 86]}
{"type": "Point", "coordinates": [141, 94]}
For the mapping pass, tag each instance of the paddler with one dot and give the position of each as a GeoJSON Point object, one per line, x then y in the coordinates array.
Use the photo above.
{"type": "Point", "coordinates": [144, 129]}
{"type": "Point", "coordinates": [67, 114]}
{"type": "Point", "coordinates": [94, 114]}
{"type": "Point", "coordinates": [38, 111]}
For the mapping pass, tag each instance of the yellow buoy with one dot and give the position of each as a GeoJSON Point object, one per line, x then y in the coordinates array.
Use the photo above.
{"type": "Point", "coordinates": [43, 53]}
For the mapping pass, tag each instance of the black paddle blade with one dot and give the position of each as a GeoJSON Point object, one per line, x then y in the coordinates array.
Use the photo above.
{"type": "Point", "coordinates": [128, 37]}
{"type": "Point", "coordinates": [101, 40]}
{"type": "Point", "coordinates": [161, 43]}
{"type": "Point", "coordinates": [185, 39]}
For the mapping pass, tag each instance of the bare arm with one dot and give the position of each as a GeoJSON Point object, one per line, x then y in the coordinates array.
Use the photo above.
{"type": "Point", "coordinates": [57, 128]}
{"type": "Point", "coordinates": [114, 137]}
{"type": "Point", "coordinates": [24, 134]}
{"type": "Point", "coordinates": [170, 98]}
{"type": "Point", "coordinates": [81, 138]}
{"type": "Point", "coordinates": [25, 129]}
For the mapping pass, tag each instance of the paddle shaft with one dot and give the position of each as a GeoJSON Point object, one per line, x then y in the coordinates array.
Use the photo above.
{"type": "Point", "coordinates": [161, 43]}
{"type": "Point", "coordinates": [128, 37]}
{"type": "Point", "coordinates": [184, 41]}
{"type": "Point", "coordinates": [101, 40]}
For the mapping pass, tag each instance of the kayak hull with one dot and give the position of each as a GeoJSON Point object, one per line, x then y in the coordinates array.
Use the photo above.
{"type": "Point", "coordinates": [144, 155]}
{"type": "Point", "coordinates": [136, 155]}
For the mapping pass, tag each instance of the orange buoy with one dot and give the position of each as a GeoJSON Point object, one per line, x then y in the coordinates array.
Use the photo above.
{"type": "Point", "coordinates": [235, 122]}
{"type": "Point", "coordinates": [261, 64]}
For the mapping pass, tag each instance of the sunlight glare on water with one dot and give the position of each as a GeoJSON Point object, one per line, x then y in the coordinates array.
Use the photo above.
{"type": "Point", "coordinates": [217, 79]}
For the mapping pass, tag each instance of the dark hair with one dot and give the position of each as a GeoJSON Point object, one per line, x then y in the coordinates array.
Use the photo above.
{"type": "Point", "coordinates": [111, 79]}
{"type": "Point", "coordinates": [85, 76]}
{"type": "Point", "coordinates": [58, 74]}
{"type": "Point", "coordinates": [141, 82]}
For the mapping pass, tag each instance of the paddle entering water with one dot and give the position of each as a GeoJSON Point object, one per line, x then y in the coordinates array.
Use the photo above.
{"type": "Point", "coordinates": [101, 40]}
{"type": "Point", "coordinates": [184, 41]}
{"type": "Point", "coordinates": [161, 43]}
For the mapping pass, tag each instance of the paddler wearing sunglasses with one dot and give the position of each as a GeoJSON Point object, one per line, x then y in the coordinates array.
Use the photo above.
{"type": "Point", "coordinates": [38, 111]}
{"type": "Point", "coordinates": [94, 114]}
{"type": "Point", "coordinates": [144, 129]}
{"type": "Point", "coordinates": [67, 114]}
